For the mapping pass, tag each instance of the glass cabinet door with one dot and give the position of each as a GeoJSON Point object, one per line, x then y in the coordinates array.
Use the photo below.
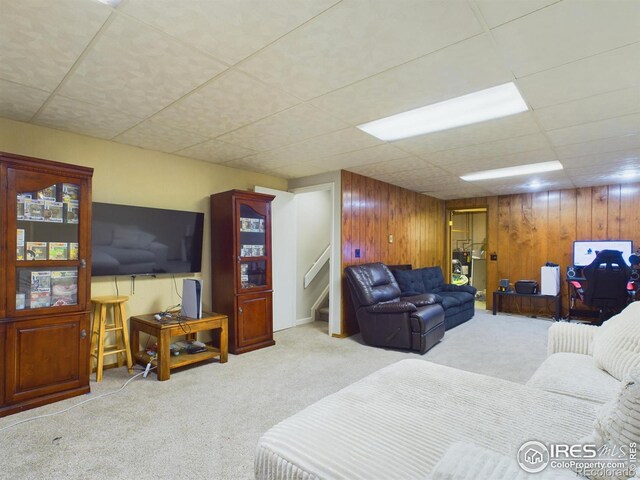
{"type": "Point", "coordinates": [48, 265]}
{"type": "Point", "coordinates": [252, 247]}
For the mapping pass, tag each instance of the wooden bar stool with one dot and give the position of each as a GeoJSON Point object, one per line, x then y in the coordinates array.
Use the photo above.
{"type": "Point", "coordinates": [99, 329]}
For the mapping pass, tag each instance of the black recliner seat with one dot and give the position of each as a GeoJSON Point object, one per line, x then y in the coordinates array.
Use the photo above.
{"type": "Point", "coordinates": [386, 320]}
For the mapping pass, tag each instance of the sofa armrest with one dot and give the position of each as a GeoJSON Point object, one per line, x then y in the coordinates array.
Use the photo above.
{"type": "Point", "coordinates": [409, 293]}
{"type": "Point", "coordinates": [571, 338]}
{"type": "Point", "coordinates": [391, 307]}
{"type": "Point", "coordinates": [423, 299]}
{"type": "Point", "coordinates": [448, 287]}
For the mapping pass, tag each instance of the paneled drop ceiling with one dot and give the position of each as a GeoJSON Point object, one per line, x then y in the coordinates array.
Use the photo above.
{"type": "Point", "coordinates": [279, 86]}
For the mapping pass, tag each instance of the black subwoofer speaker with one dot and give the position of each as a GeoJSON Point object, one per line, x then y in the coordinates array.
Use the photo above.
{"type": "Point", "coordinates": [573, 272]}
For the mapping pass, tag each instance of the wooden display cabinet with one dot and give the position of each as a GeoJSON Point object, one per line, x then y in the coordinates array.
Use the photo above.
{"type": "Point", "coordinates": [45, 268]}
{"type": "Point", "coordinates": [241, 267]}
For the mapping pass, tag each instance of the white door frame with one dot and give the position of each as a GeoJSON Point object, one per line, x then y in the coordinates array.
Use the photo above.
{"type": "Point", "coordinates": [336, 255]}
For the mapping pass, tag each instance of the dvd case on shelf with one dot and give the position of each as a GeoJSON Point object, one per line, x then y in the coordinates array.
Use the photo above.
{"type": "Point", "coordinates": [53, 211]}
{"type": "Point", "coordinates": [20, 301]}
{"type": "Point", "coordinates": [64, 287]}
{"type": "Point", "coordinates": [20, 209]}
{"type": "Point", "coordinates": [58, 251]}
{"type": "Point", "coordinates": [72, 211]}
{"type": "Point", "coordinates": [73, 251]}
{"type": "Point", "coordinates": [36, 251]}
{"type": "Point", "coordinates": [20, 244]}
{"type": "Point", "coordinates": [40, 299]}
{"type": "Point", "coordinates": [40, 295]}
{"type": "Point", "coordinates": [34, 210]}
{"type": "Point", "coordinates": [41, 281]}
{"type": "Point", "coordinates": [48, 193]}
{"type": "Point", "coordinates": [70, 191]}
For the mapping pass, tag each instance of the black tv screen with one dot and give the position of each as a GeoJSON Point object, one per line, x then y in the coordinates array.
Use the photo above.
{"type": "Point", "coordinates": [128, 240]}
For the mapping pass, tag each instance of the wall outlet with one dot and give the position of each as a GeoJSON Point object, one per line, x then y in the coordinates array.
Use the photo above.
{"type": "Point", "coordinates": [357, 253]}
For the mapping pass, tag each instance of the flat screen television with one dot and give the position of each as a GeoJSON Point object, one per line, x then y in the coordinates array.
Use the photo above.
{"type": "Point", "coordinates": [585, 251]}
{"type": "Point", "coordinates": [128, 240]}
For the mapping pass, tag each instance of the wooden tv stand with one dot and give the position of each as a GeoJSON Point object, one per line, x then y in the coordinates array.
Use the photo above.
{"type": "Point", "coordinates": [164, 329]}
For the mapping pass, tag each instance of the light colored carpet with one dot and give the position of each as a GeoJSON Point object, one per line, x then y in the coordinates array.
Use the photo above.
{"type": "Point", "coordinates": [205, 421]}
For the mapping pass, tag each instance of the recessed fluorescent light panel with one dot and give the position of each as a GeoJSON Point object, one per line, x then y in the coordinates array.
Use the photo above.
{"type": "Point", "coordinates": [494, 102]}
{"type": "Point", "coordinates": [513, 171]}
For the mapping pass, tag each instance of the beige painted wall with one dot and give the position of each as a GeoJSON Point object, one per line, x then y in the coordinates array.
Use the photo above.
{"type": "Point", "coordinates": [134, 176]}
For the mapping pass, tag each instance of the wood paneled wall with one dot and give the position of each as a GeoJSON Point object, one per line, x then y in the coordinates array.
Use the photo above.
{"type": "Point", "coordinates": [373, 210]}
{"type": "Point", "coordinates": [527, 230]}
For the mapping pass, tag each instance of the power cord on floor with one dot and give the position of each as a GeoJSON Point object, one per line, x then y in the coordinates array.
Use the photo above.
{"type": "Point", "coordinates": [144, 373]}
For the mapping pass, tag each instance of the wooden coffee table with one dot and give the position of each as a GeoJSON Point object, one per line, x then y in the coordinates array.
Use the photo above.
{"type": "Point", "coordinates": [166, 328]}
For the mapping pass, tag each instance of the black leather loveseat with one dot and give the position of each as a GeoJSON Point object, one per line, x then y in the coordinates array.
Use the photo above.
{"type": "Point", "coordinates": [386, 320]}
{"type": "Point", "coordinates": [458, 301]}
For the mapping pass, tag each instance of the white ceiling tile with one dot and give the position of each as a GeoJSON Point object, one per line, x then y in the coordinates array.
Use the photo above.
{"type": "Point", "coordinates": [499, 148]}
{"type": "Point", "coordinates": [68, 114]}
{"type": "Point", "coordinates": [608, 160]}
{"type": "Point", "coordinates": [297, 170]}
{"type": "Point", "coordinates": [227, 102]}
{"type": "Point", "coordinates": [290, 126]}
{"type": "Point", "coordinates": [356, 39]}
{"type": "Point", "coordinates": [430, 79]}
{"type": "Point", "coordinates": [227, 29]}
{"type": "Point", "coordinates": [497, 12]}
{"type": "Point", "coordinates": [612, 127]}
{"type": "Point", "coordinates": [590, 109]}
{"type": "Point", "coordinates": [333, 143]}
{"type": "Point", "coordinates": [580, 181]}
{"type": "Point", "coordinates": [365, 156]}
{"type": "Point", "coordinates": [20, 102]}
{"type": "Point", "coordinates": [135, 69]}
{"type": "Point", "coordinates": [451, 184]}
{"type": "Point", "coordinates": [513, 126]}
{"type": "Point", "coordinates": [412, 163]}
{"type": "Point", "coordinates": [602, 73]}
{"type": "Point", "coordinates": [215, 152]}
{"type": "Point", "coordinates": [571, 32]}
{"type": "Point", "coordinates": [155, 136]}
{"type": "Point", "coordinates": [254, 163]}
{"type": "Point", "coordinates": [40, 41]}
{"type": "Point", "coordinates": [599, 146]}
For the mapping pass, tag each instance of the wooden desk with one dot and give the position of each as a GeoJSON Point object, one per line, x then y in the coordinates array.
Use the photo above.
{"type": "Point", "coordinates": [164, 329]}
{"type": "Point", "coordinates": [498, 296]}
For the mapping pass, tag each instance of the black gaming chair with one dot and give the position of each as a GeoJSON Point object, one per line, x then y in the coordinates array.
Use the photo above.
{"type": "Point", "coordinates": [607, 278]}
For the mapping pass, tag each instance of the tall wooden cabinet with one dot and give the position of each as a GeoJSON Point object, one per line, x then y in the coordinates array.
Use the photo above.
{"type": "Point", "coordinates": [45, 252]}
{"type": "Point", "coordinates": [241, 267]}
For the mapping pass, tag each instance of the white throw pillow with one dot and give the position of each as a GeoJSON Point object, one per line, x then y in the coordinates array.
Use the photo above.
{"type": "Point", "coordinates": [616, 346]}
{"type": "Point", "coordinates": [617, 425]}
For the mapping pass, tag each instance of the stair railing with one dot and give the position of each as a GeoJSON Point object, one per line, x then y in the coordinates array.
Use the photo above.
{"type": "Point", "coordinates": [317, 265]}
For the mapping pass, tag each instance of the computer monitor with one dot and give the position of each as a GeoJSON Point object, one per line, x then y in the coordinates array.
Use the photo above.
{"type": "Point", "coordinates": [585, 251]}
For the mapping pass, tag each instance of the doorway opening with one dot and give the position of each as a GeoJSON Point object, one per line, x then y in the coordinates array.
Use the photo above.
{"type": "Point", "coordinates": [467, 250]}
{"type": "Point", "coordinates": [305, 257]}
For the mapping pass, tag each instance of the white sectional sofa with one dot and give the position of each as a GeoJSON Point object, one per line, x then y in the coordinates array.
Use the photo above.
{"type": "Point", "coordinates": [415, 419]}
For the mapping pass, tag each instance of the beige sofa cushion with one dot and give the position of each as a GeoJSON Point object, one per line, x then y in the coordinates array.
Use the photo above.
{"type": "Point", "coordinates": [617, 423]}
{"type": "Point", "coordinates": [575, 375]}
{"type": "Point", "coordinates": [616, 346]}
{"type": "Point", "coordinates": [468, 461]}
